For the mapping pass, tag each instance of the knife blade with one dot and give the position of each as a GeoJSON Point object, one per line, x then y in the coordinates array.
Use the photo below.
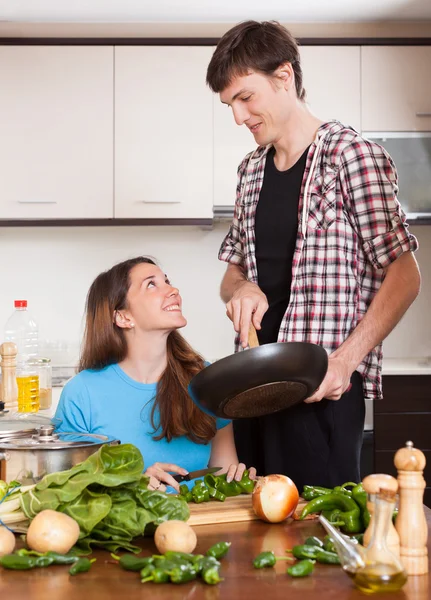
{"type": "Point", "coordinates": [196, 474]}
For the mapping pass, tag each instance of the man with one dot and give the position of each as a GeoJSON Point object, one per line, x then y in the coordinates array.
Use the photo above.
{"type": "Point", "coordinates": [318, 251]}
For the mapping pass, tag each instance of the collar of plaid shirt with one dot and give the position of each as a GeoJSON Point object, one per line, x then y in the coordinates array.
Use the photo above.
{"type": "Point", "coordinates": [351, 228]}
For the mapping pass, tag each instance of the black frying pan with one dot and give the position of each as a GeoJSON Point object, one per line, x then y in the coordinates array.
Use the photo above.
{"type": "Point", "coordinates": [260, 380]}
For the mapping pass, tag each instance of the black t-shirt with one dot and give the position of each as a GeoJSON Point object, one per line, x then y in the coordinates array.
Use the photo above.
{"type": "Point", "coordinates": [276, 228]}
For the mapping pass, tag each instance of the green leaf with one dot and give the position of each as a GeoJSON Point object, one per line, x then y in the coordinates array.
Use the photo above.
{"type": "Point", "coordinates": [88, 509]}
{"type": "Point", "coordinates": [109, 466]}
{"type": "Point", "coordinates": [108, 497]}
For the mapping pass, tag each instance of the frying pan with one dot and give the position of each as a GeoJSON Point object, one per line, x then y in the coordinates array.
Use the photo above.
{"type": "Point", "coordinates": [261, 380]}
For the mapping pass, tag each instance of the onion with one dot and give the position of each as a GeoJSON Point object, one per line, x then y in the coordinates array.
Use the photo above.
{"type": "Point", "coordinates": [275, 498]}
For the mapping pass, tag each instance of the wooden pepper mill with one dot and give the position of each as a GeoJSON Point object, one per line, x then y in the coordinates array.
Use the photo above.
{"type": "Point", "coordinates": [372, 484]}
{"type": "Point", "coordinates": [411, 522]}
{"type": "Point", "coordinates": [9, 388]}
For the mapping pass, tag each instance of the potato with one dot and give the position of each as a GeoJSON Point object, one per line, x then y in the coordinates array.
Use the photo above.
{"type": "Point", "coordinates": [176, 536]}
{"type": "Point", "coordinates": [7, 541]}
{"type": "Point", "coordinates": [52, 531]}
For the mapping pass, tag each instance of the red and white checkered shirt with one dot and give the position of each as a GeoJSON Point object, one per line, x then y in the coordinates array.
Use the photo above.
{"type": "Point", "coordinates": [351, 228]}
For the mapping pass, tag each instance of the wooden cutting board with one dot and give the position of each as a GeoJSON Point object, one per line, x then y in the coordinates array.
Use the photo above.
{"type": "Point", "coordinates": [238, 508]}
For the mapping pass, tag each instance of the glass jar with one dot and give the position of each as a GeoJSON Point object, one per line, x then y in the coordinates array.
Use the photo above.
{"type": "Point", "coordinates": [43, 368]}
{"type": "Point", "coordinates": [27, 380]}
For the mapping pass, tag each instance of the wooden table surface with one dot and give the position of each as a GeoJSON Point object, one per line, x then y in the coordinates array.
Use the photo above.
{"type": "Point", "coordinates": [107, 580]}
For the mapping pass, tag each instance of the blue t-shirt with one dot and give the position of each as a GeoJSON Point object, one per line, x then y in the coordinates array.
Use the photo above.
{"type": "Point", "coordinates": [109, 402]}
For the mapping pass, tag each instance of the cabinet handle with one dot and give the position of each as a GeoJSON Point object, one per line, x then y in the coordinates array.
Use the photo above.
{"type": "Point", "coordinates": [425, 114]}
{"type": "Point", "coordinates": [37, 201]}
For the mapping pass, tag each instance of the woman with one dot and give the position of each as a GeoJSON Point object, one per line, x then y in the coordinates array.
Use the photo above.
{"type": "Point", "coordinates": [134, 371]}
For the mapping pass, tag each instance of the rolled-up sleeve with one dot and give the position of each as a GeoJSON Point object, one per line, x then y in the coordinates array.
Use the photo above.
{"type": "Point", "coordinates": [232, 250]}
{"type": "Point", "coordinates": [369, 184]}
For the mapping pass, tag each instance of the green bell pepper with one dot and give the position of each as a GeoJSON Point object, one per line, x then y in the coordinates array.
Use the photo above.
{"type": "Point", "coordinates": [350, 512]}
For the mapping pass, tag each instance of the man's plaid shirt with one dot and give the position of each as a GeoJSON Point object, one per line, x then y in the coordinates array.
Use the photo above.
{"type": "Point", "coordinates": [351, 228]}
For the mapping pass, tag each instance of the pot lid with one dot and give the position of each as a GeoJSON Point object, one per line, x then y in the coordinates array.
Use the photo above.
{"type": "Point", "coordinates": [14, 425]}
{"type": "Point", "coordinates": [38, 433]}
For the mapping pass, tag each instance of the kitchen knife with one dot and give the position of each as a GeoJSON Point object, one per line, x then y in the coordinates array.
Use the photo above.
{"type": "Point", "coordinates": [195, 474]}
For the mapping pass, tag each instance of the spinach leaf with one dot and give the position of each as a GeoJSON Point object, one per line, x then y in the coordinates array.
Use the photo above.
{"type": "Point", "coordinates": [108, 497]}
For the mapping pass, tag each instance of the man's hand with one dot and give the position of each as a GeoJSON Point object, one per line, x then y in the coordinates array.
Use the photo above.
{"type": "Point", "coordinates": [336, 382]}
{"type": "Point", "coordinates": [247, 305]}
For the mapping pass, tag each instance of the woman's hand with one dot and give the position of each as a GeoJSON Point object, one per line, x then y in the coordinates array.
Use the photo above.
{"type": "Point", "coordinates": [160, 478]}
{"type": "Point", "coordinates": [235, 472]}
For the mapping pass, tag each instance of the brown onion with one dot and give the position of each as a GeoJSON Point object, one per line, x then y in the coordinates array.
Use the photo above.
{"type": "Point", "coordinates": [275, 498]}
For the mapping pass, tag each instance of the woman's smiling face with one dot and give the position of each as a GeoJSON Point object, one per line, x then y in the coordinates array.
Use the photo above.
{"type": "Point", "coordinates": [153, 304]}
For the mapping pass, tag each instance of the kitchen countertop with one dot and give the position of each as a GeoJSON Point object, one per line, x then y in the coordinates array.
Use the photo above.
{"type": "Point", "coordinates": [390, 366]}
{"type": "Point", "coordinates": [107, 580]}
{"type": "Point", "coordinates": [407, 366]}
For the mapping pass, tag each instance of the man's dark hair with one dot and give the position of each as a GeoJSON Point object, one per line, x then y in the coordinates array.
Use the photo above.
{"type": "Point", "coordinates": [261, 47]}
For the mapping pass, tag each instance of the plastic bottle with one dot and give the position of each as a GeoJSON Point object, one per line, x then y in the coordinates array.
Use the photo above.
{"type": "Point", "coordinates": [23, 331]}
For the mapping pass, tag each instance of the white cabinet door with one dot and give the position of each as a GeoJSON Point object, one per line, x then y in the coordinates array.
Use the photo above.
{"type": "Point", "coordinates": [396, 88]}
{"type": "Point", "coordinates": [331, 78]}
{"type": "Point", "coordinates": [56, 132]}
{"type": "Point", "coordinates": [332, 82]}
{"type": "Point", "coordinates": [163, 133]}
{"type": "Point", "coordinates": [231, 144]}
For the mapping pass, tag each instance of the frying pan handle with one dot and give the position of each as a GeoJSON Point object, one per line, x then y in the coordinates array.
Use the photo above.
{"type": "Point", "coordinates": [253, 342]}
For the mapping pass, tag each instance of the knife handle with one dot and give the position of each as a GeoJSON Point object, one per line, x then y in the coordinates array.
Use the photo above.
{"type": "Point", "coordinates": [181, 478]}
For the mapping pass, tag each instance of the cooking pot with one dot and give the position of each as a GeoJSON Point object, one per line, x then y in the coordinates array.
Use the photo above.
{"type": "Point", "coordinates": [30, 448]}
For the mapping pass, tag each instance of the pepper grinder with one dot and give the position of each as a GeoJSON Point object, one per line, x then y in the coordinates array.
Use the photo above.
{"type": "Point", "coordinates": [411, 522]}
{"type": "Point", "coordinates": [9, 388]}
{"type": "Point", "coordinates": [372, 484]}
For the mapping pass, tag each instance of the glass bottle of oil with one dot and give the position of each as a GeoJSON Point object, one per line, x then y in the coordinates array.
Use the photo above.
{"type": "Point", "coordinates": [27, 381]}
{"type": "Point", "coordinates": [383, 571]}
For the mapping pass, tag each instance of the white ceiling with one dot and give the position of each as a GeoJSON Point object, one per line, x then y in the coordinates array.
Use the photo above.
{"type": "Point", "coordinates": [215, 11]}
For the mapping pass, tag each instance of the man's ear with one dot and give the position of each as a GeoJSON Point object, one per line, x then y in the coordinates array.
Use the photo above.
{"type": "Point", "coordinates": [123, 320]}
{"type": "Point", "coordinates": [286, 75]}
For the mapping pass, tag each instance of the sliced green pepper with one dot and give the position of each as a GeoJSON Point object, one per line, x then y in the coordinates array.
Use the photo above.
{"type": "Point", "coordinates": [301, 568]}
{"type": "Point", "coordinates": [247, 484]}
{"type": "Point", "coordinates": [350, 513]}
{"type": "Point", "coordinates": [216, 494]}
{"type": "Point", "coordinates": [200, 492]}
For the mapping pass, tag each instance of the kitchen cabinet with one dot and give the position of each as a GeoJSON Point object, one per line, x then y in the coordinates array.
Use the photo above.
{"type": "Point", "coordinates": [403, 414]}
{"type": "Point", "coordinates": [332, 82]}
{"type": "Point", "coordinates": [163, 133]}
{"type": "Point", "coordinates": [396, 88]}
{"type": "Point", "coordinates": [56, 132]}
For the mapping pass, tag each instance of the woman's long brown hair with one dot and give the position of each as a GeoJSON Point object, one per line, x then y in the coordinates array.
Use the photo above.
{"type": "Point", "coordinates": [105, 344]}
